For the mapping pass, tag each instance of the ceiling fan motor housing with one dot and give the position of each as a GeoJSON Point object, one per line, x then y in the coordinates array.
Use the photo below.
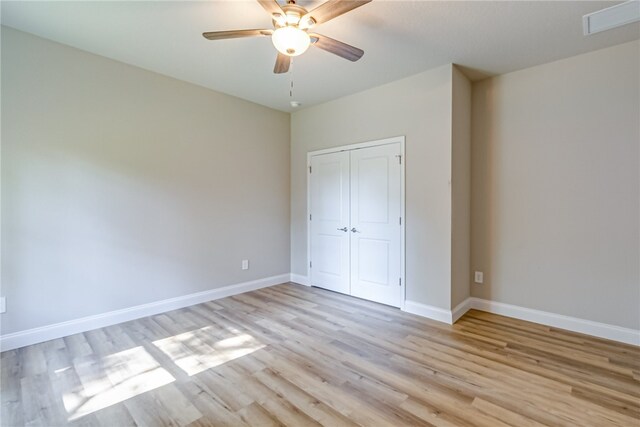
{"type": "Point", "coordinates": [293, 13]}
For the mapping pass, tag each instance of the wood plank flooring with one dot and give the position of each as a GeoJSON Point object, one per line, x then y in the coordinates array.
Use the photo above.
{"type": "Point", "coordinates": [291, 355]}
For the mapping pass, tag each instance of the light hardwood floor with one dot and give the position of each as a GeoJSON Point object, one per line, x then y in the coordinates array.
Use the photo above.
{"type": "Point", "coordinates": [291, 355]}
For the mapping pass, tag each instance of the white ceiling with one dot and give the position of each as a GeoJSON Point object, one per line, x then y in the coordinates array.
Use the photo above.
{"type": "Point", "coordinates": [400, 38]}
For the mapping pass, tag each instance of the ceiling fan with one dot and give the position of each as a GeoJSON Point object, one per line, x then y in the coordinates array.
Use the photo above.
{"type": "Point", "coordinates": [290, 34]}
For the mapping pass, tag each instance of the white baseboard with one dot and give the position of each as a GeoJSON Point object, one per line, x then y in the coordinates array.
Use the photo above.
{"type": "Point", "coordinates": [299, 279]}
{"type": "Point", "coordinates": [437, 313]}
{"type": "Point", "coordinates": [428, 311]}
{"type": "Point", "coordinates": [461, 309]}
{"type": "Point", "coordinates": [58, 330]}
{"type": "Point", "coordinates": [574, 324]}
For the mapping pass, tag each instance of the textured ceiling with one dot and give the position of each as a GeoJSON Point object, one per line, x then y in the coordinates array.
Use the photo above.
{"type": "Point", "coordinates": [400, 38]}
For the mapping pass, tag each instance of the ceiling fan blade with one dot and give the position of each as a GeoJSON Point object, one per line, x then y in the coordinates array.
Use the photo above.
{"type": "Point", "coordinates": [282, 64]}
{"type": "Point", "coordinates": [329, 10]}
{"type": "Point", "coordinates": [337, 47]}
{"type": "Point", "coordinates": [234, 34]}
{"type": "Point", "coordinates": [273, 8]}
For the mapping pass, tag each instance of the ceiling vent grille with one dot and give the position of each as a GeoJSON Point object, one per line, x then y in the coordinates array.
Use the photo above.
{"type": "Point", "coordinates": [611, 17]}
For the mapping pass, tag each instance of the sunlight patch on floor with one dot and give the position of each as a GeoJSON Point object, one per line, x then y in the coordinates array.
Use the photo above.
{"type": "Point", "coordinates": [113, 379]}
{"type": "Point", "coordinates": [196, 351]}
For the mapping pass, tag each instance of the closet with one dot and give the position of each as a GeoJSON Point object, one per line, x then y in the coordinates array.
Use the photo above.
{"type": "Point", "coordinates": [356, 232]}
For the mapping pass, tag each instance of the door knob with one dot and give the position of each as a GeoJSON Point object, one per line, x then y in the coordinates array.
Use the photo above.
{"type": "Point", "coordinates": [354, 230]}
{"type": "Point", "coordinates": [343, 229]}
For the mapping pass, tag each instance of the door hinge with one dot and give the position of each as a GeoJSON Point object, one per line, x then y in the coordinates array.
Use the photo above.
{"type": "Point", "coordinates": [400, 220]}
{"type": "Point", "coordinates": [309, 169]}
{"type": "Point", "coordinates": [310, 264]}
{"type": "Point", "coordinates": [309, 217]}
{"type": "Point", "coordinates": [399, 156]}
{"type": "Point", "coordinates": [400, 281]}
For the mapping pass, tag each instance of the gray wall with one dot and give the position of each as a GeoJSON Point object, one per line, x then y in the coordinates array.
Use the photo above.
{"type": "Point", "coordinates": [555, 193]}
{"type": "Point", "coordinates": [418, 107]}
{"type": "Point", "coordinates": [460, 187]}
{"type": "Point", "coordinates": [122, 187]}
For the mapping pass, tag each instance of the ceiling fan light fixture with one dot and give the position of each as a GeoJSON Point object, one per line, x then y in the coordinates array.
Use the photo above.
{"type": "Point", "coordinates": [290, 41]}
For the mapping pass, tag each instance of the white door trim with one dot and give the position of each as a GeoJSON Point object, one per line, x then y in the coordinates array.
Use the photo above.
{"type": "Point", "coordinates": [367, 144]}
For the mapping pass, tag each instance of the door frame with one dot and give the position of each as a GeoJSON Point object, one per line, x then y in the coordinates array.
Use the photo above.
{"type": "Point", "coordinates": [351, 147]}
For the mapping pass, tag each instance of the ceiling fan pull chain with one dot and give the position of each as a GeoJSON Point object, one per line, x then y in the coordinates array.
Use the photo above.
{"type": "Point", "coordinates": [291, 81]}
{"type": "Point", "coordinates": [292, 102]}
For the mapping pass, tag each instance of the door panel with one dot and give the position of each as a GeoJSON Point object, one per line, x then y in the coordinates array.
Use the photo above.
{"type": "Point", "coordinates": [375, 224]}
{"type": "Point", "coordinates": [373, 197]}
{"type": "Point", "coordinates": [370, 253]}
{"type": "Point", "coordinates": [329, 202]}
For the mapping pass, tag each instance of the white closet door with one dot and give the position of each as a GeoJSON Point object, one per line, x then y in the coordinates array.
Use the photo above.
{"type": "Point", "coordinates": [375, 224]}
{"type": "Point", "coordinates": [330, 221]}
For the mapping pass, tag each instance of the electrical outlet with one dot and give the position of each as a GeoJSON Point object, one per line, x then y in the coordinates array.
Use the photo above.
{"type": "Point", "coordinates": [3, 304]}
{"type": "Point", "coordinates": [479, 277]}
{"type": "Point", "coordinates": [245, 264]}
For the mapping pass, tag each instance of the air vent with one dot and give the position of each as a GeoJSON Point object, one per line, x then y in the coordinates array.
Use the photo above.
{"type": "Point", "coordinates": [611, 17]}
